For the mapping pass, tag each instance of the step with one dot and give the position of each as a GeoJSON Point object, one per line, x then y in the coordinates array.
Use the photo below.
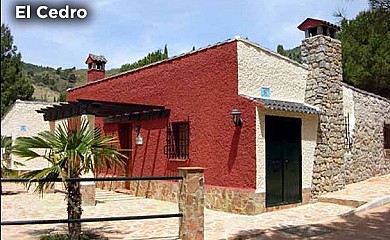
{"type": "Point", "coordinates": [105, 195]}
{"type": "Point", "coordinates": [342, 201]}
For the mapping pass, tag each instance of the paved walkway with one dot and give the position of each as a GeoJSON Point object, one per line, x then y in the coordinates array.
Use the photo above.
{"type": "Point", "coordinates": [357, 194]}
{"type": "Point", "coordinates": [312, 221]}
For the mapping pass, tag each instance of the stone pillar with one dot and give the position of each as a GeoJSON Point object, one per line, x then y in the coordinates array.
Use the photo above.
{"type": "Point", "coordinates": [88, 188]}
{"type": "Point", "coordinates": [88, 193]}
{"type": "Point", "coordinates": [322, 55]}
{"type": "Point", "coordinates": [191, 203]}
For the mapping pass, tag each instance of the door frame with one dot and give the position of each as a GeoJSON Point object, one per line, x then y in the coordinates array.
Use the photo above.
{"type": "Point", "coordinates": [126, 133]}
{"type": "Point", "coordinates": [283, 164]}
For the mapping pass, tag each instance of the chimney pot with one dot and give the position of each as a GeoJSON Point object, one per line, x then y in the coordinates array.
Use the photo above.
{"type": "Point", "coordinates": [96, 67]}
{"type": "Point", "coordinates": [313, 27]}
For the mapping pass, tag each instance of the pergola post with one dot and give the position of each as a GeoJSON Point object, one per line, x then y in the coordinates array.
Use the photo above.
{"type": "Point", "coordinates": [52, 128]}
{"type": "Point", "coordinates": [88, 188]}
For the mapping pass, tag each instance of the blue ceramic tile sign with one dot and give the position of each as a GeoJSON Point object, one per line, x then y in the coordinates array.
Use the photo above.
{"type": "Point", "coordinates": [265, 92]}
{"type": "Point", "coordinates": [23, 128]}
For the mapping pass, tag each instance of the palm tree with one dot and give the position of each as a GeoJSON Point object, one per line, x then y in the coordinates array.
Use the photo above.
{"type": "Point", "coordinates": [71, 152]}
{"type": "Point", "coordinates": [6, 146]}
{"type": "Point", "coordinates": [6, 149]}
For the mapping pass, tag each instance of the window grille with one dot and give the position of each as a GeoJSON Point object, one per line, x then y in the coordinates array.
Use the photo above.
{"type": "Point", "coordinates": [347, 134]}
{"type": "Point", "coordinates": [178, 134]}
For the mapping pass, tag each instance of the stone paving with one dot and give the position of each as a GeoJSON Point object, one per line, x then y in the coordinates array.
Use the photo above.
{"type": "Point", "coordinates": [360, 193]}
{"type": "Point", "coordinates": [21, 205]}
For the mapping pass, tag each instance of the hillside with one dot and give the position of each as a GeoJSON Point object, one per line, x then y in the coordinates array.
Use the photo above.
{"type": "Point", "coordinates": [294, 53]}
{"type": "Point", "coordinates": [50, 84]}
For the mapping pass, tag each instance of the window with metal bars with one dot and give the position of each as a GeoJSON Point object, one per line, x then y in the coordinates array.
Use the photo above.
{"type": "Point", "coordinates": [178, 139]}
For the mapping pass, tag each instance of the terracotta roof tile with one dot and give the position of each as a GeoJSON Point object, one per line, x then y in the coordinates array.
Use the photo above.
{"type": "Point", "coordinates": [280, 105]}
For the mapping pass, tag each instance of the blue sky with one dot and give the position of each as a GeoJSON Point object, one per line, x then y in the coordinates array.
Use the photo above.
{"type": "Point", "coordinates": [126, 30]}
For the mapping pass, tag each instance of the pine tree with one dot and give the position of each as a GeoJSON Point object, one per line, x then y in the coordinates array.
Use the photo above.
{"type": "Point", "coordinates": [366, 50]}
{"type": "Point", "coordinates": [379, 4]}
{"type": "Point", "coordinates": [280, 50]}
{"type": "Point", "coordinates": [165, 54]}
{"type": "Point", "coordinates": [152, 57]}
{"type": "Point", "coordinates": [13, 84]}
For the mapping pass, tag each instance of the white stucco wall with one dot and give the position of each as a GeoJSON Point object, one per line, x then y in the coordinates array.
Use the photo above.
{"type": "Point", "coordinates": [309, 136]}
{"type": "Point", "coordinates": [259, 67]}
{"type": "Point", "coordinates": [349, 107]}
{"type": "Point", "coordinates": [23, 113]}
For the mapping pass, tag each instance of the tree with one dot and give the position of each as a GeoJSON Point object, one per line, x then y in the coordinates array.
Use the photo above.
{"type": "Point", "coordinates": [6, 170]}
{"type": "Point", "coordinates": [152, 57]}
{"type": "Point", "coordinates": [366, 50]}
{"type": "Point", "coordinates": [62, 97]}
{"type": "Point", "coordinates": [71, 152]}
{"type": "Point", "coordinates": [379, 4]}
{"type": "Point", "coordinates": [13, 84]}
{"type": "Point", "coordinates": [280, 49]}
{"type": "Point", "coordinates": [6, 147]}
{"type": "Point", "coordinates": [165, 54]}
{"type": "Point", "coordinates": [294, 54]}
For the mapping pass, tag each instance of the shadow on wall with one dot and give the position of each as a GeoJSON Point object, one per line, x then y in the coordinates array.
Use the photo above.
{"type": "Point", "coordinates": [234, 148]}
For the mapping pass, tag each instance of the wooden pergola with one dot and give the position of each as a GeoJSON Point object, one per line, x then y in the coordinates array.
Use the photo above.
{"type": "Point", "coordinates": [113, 112]}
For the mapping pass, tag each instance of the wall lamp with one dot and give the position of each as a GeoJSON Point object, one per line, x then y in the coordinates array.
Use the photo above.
{"type": "Point", "coordinates": [236, 115]}
{"type": "Point", "coordinates": [138, 137]}
{"type": "Point", "coordinates": [137, 128]}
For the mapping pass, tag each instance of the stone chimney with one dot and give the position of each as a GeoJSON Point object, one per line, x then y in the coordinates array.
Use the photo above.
{"type": "Point", "coordinates": [96, 67]}
{"type": "Point", "coordinates": [321, 52]}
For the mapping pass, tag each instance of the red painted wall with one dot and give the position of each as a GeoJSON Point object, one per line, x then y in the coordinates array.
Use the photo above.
{"type": "Point", "coordinates": [202, 87]}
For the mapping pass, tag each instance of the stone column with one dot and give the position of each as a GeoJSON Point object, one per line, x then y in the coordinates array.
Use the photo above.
{"type": "Point", "coordinates": [322, 55]}
{"type": "Point", "coordinates": [191, 203]}
{"type": "Point", "coordinates": [88, 188]}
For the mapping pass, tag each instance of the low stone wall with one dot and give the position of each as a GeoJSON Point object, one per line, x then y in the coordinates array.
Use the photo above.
{"type": "Point", "coordinates": [242, 201]}
{"type": "Point", "coordinates": [160, 190]}
{"type": "Point", "coordinates": [232, 200]}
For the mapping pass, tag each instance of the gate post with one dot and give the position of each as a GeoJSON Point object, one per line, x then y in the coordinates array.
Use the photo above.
{"type": "Point", "coordinates": [191, 203]}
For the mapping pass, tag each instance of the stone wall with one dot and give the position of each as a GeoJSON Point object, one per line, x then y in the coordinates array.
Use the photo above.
{"type": "Point", "coordinates": [366, 157]}
{"type": "Point", "coordinates": [232, 200]}
{"type": "Point", "coordinates": [336, 163]}
{"type": "Point", "coordinates": [160, 190]}
{"type": "Point", "coordinates": [244, 201]}
{"type": "Point", "coordinates": [240, 201]}
{"type": "Point", "coordinates": [322, 55]}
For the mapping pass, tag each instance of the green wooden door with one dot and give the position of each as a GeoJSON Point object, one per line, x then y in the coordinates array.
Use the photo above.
{"type": "Point", "coordinates": [283, 160]}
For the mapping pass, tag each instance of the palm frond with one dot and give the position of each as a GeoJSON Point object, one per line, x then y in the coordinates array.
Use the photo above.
{"type": "Point", "coordinates": [47, 175]}
{"type": "Point", "coordinates": [70, 151]}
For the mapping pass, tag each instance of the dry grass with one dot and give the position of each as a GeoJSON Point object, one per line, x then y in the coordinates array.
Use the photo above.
{"type": "Point", "coordinates": [45, 94]}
